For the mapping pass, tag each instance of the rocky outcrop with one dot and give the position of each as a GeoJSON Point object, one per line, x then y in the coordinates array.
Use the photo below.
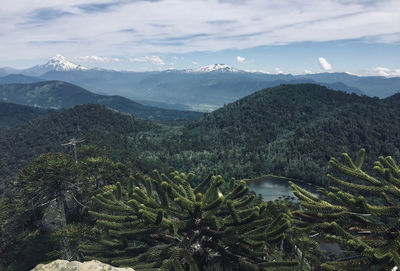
{"type": "Point", "coordinates": [62, 265]}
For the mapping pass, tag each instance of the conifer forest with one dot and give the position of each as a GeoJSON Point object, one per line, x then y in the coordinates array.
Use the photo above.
{"type": "Point", "coordinates": [200, 135]}
{"type": "Point", "coordinates": [89, 182]}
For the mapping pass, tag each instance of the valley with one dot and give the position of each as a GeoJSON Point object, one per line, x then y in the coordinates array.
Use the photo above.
{"type": "Point", "coordinates": [283, 135]}
{"type": "Point", "coordinates": [288, 130]}
{"type": "Point", "coordinates": [58, 94]}
{"type": "Point", "coordinates": [202, 89]}
{"type": "Point", "coordinates": [202, 135]}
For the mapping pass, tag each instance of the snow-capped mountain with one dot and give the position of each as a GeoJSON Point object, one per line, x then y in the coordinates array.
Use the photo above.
{"type": "Point", "coordinates": [56, 63]}
{"type": "Point", "coordinates": [216, 68]}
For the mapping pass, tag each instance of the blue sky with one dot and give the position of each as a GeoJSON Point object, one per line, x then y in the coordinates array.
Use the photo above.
{"type": "Point", "coordinates": [290, 36]}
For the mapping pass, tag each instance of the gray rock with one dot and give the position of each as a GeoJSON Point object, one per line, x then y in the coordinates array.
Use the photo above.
{"type": "Point", "coordinates": [63, 265]}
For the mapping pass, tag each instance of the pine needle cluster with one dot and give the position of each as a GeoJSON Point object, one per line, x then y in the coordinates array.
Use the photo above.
{"type": "Point", "coordinates": [163, 223]}
{"type": "Point", "coordinates": [361, 213]}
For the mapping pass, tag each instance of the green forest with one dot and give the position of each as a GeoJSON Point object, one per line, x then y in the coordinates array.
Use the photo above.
{"type": "Point", "coordinates": [174, 195]}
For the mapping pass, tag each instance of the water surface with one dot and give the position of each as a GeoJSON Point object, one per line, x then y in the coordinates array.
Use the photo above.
{"type": "Point", "coordinates": [272, 189]}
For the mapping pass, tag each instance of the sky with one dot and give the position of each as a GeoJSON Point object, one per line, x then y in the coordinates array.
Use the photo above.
{"type": "Point", "coordinates": [274, 36]}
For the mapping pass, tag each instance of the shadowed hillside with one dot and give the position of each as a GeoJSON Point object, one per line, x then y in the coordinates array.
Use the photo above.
{"type": "Point", "coordinates": [57, 95]}
{"type": "Point", "coordinates": [95, 124]}
{"type": "Point", "coordinates": [15, 114]}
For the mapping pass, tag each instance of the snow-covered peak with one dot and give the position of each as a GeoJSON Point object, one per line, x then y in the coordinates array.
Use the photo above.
{"type": "Point", "coordinates": [60, 63]}
{"type": "Point", "coordinates": [56, 63]}
{"type": "Point", "coordinates": [171, 70]}
{"type": "Point", "coordinates": [216, 68]}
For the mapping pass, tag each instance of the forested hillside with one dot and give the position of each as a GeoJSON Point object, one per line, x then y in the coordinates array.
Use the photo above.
{"type": "Point", "coordinates": [14, 114]}
{"type": "Point", "coordinates": [95, 124]}
{"type": "Point", "coordinates": [58, 94]}
{"type": "Point", "coordinates": [200, 135]}
{"type": "Point", "coordinates": [290, 130]}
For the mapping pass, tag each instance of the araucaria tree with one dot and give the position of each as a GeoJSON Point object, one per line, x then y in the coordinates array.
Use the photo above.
{"type": "Point", "coordinates": [362, 215]}
{"type": "Point", "coordinates": [163, 223]}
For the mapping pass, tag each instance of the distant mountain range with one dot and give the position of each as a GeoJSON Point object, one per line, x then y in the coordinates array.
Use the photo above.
{"type": "Point", "coordinates": [19, 79]}
{"type": "Point", "coordinates": [190, 88]}
{"type": "Point", "coordinates": [207, 87]}
{"type": "Point", "coordinates": [57, 95]}
{"type": "Point", "coordinates": [215, 68]}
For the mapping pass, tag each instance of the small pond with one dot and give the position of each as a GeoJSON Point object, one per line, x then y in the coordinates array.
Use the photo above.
{"type": "Point", "coordinates": [272, 188]}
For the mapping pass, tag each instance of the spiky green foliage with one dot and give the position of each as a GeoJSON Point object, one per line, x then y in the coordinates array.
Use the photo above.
{"type": "Point", "coordinates": [35, 229]}
{"type": "Point", "coordinates": [361, 212]}
{"type": "Point", "coordinates": [163, 223]}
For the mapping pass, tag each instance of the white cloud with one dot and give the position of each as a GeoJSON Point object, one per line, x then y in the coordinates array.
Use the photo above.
{"type": "Point", "coordinates": [382, 71]}
{"type": "Point", "coordinates": [240, 59]}
{"type": "Point", "coordinates": [156, 60]}
{"type": "Point", "coordinates": [276, 71]}
{"type": "Point", "coordinates": [194, 63]}
{"type": "Point", "coordinates": [51, 26]}
{"type": "Point", "coordinates": [308, 71]}
{"type": "Point", "coordinates": [324, 64]}
{"type": "Point", "coordinates": [97, 59]}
